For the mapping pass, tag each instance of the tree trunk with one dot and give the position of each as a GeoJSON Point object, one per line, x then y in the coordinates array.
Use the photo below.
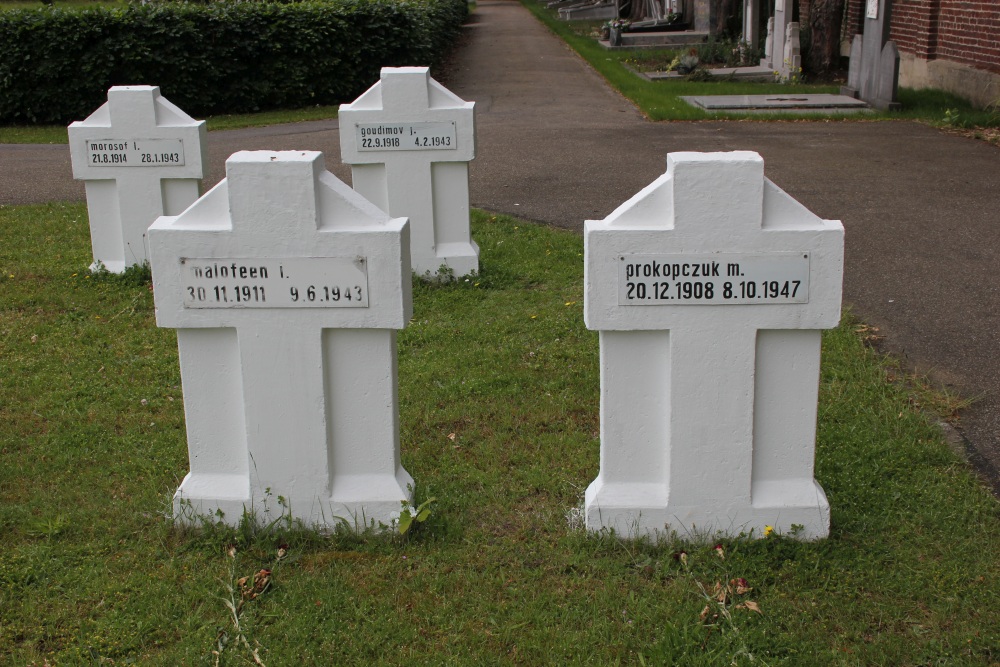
{"type": "Point", "coordinates": [724, 14]}
{"type": "Point", "coordinates": [824, 34]}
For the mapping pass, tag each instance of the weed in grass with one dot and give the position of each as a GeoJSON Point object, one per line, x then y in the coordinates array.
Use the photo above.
{"type": "Point", "coordinates": [240, 592]}
{"type": "Point", "coordinates": [412, 516]}
{"type": "Point", "coordinates": [136, 275]}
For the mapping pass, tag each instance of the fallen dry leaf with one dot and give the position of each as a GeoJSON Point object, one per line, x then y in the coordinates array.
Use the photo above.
{"type": "Point", "coordinates": [750, 605]}
{"type": "Point", "coordinates": [740, 586]}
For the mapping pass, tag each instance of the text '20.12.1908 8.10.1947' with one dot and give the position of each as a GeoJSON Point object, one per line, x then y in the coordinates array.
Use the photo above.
{"type": "Point", "coordinates": [743, 279]}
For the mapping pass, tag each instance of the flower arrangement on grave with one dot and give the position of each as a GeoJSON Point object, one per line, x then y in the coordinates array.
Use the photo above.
{"type": "Point", "coordinates": [688, 62]}
{"type": "Point", "coordinates": [621, 25]}
{"type": "Point", "coordinates": [615, 28]}
{"type": "Point", "coordinates": [793, 76]}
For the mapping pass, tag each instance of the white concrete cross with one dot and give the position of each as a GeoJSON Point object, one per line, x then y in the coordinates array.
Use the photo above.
{"type": "Point", "coordinates": [709, 288]}
{"type": "Point", "coordinates": [409, 141]}
{"type": "Point", "coordinates": [286, 288]}
{"type": "Point", "coordinates": [140, 157]}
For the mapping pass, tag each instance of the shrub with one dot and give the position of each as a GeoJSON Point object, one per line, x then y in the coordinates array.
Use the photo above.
{"type": "Point", "coordinates": [230, 57]}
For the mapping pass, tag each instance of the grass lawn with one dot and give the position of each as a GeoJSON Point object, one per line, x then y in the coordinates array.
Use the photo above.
{"type": "Point", "coordinates": [499, 412]}
{"type": "Point", "coordinates": [660, 100]}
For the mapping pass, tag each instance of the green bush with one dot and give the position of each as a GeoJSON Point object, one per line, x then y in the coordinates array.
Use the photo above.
{"type": "Point", "coordinates": [229, 57]}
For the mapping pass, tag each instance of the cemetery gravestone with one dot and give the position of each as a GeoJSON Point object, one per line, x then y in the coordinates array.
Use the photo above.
{"type": "Point", "coordinates": [409, 141]}
{"type": "Point", "coordinates": [286, 288]}
{"type": "Point", "coordinates": [873, 73]}
{"type": "Point", "coordinates": [709, 288]}
{"type": "Point", "coordinates": [751, 29]}
{"type": "Point", "coordinates": [140, 157]}
{"type": "Point", "coordinates": [775, 44]}
{"type": "Point", "coordinates": [791, 64]}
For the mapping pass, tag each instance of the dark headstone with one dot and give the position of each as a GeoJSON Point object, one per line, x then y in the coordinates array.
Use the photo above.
{"type": "Point", "coordinates": [874, 71]}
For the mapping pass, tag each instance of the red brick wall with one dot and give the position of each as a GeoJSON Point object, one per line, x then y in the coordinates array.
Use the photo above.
{"type": "Point", "coordinates": [854, 19]}
{"type": "Point", "coordinates": [962, 31]}
{"type": "Point", "coordinates": [969, 33]}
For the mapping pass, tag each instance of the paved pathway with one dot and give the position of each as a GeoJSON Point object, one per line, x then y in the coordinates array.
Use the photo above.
{"type": "Point", "coordinates": [557, 145]}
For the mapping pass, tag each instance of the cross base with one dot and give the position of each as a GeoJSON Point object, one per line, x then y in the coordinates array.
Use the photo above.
{"type": "Point", "coordinates": [359, 500]}
{"type": "Point", "coordinates": [111, 266]}
{"type": "Point", "coordinates": [637, 510]}
{"type": "Point", "coordinates": [461, 257]}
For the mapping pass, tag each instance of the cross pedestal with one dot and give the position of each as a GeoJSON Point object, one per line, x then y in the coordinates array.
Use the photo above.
{"type": "Point", "coordinates": [140, 157]}
{"type": "Point", "coordinates": [286, 288]}
{"type": "Point", "coordinates": [409, 141]}
{"type": "Point", "coordinates": [709, 288]}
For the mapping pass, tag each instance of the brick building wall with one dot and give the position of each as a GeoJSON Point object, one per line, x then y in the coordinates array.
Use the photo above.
{"type": "Point", "coordinates": [963, 31]}
{"type": "Point", "coordinates": [854, 21]}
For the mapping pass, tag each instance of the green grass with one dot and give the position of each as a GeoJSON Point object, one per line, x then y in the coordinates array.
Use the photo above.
{"type": "Point", "coordinates": [499, 413]}
{"type": "Point", "coordinates": [660, 100]}
{"type": "Point", "coordinates": [57, 134]}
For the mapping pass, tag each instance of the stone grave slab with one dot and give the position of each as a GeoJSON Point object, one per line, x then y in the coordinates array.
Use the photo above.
{"type": "Point", "coordinates": [286, 288]}
{"type": "Point", "coordinates": [776, 103]}
{"type": "Point", "coordinates": [588, 11]}
{"type": "Point", "coordinates": [409, 141]}
{"type": "Point", "coordinates": [140, 157]}
{"type": "Point", "coordinates": [709, 289]}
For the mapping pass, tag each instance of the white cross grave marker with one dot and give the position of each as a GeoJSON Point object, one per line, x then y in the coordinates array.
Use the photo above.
{"type": "Point", "coordinates": [409, 141]}
{"type": "Point", "coordinates": [140, 157]}
{"type": "Point", "coordinates": [709, 288]}
{"type": "Point", "coordinates": [286, 288]}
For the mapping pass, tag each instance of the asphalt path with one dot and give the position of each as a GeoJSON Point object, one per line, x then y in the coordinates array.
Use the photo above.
{"type": "Point", "coordinates": [555, 144]}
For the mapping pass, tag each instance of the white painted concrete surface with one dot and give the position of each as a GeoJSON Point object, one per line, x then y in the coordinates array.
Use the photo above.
{"type": "Point", "coordinates": [286, 288]}
{"type": "Point", "coordinates": [140, 157]}
{"type": "Point", "coordinates": [409, 141]}
{"type": "Point", "coordinates": [710, 371]}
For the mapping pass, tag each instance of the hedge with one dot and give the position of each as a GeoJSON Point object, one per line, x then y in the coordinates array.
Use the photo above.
{"type": "Point", "coordinates": [231, 57]}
